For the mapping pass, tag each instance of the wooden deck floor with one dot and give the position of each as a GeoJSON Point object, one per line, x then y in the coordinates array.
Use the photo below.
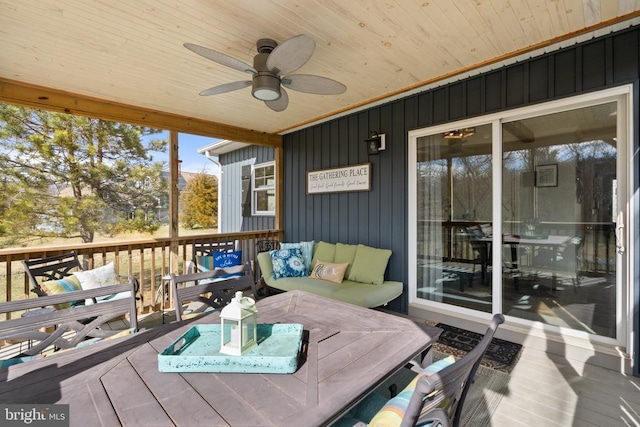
{"type": "Point", "coordinates": [550, 390]}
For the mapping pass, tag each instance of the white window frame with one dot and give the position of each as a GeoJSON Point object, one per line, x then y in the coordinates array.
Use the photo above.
{"type": "Point", "coordinates": [255, 189]}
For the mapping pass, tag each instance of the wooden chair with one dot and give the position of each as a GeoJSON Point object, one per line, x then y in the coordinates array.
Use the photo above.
{"type": "Point", "coordinates": [57, 267]}
{"type": "Point", "coordinates": [438, 396]}
{"type": "Point", "coordinates": [42, 325]}
{"type": "Point", "coordinates": [209, 288]}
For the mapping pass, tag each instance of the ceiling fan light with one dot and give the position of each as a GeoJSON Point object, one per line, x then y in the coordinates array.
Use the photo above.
{"type": "Point", "coordinates": [459, 133]}
{"type": "Point", "coordinates": [266, 87]}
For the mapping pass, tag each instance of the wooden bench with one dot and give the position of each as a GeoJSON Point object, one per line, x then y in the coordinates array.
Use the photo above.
{"type": "Point", "coordinates": [61, 323]}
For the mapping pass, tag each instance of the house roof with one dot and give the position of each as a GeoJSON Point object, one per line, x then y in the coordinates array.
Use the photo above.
{"type": "Point", "coordinates": [220, 147]}
{"type": "Point", "coordinates": [132, 53]}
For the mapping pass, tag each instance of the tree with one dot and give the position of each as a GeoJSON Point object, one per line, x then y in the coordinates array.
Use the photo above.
{"type": "Point", "coordinates": [73, 176]}
{"type": "Point", "coordinates": [200, 202]}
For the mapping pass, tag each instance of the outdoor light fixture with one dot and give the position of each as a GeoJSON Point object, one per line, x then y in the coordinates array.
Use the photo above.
{"type": "Point", "coordinates": [376, 143]}
{"type": "Point", "coordinates": [238, 326]}
{"type": "Point", "coordinates": [459, 133]}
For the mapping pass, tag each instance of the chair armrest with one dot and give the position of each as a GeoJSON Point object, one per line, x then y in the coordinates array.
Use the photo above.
{"type": "Point", "coordinates": [135, 284]}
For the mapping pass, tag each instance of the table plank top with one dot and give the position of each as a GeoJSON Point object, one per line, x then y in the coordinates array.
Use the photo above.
{"type": "Point", "coordinates": [347, 351]}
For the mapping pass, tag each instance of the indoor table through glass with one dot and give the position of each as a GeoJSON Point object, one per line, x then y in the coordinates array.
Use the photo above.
{"type": "Point", "coordinates": [347, 351]}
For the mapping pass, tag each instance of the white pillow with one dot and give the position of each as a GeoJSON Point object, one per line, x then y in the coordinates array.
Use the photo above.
{"type": "Point", "coordinates": [98, 277]}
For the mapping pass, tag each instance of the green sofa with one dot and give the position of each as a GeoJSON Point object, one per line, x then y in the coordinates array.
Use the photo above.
{"type": "Point", "coordinates": [363, 282]}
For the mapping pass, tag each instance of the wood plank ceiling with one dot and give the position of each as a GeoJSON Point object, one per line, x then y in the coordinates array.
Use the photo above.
{"type": "Point", "coordinates": [131, 52]}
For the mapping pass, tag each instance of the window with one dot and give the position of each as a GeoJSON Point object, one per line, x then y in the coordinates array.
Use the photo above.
{"type": "Point", "coordinates": [264, 189]}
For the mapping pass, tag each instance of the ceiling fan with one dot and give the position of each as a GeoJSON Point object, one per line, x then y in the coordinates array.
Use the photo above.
{"type": "Point", "coordinates": [271, 70]}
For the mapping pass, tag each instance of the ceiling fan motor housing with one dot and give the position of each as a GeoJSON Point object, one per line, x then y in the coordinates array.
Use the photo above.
{"type": "Point", "coordinates": [265, 85]}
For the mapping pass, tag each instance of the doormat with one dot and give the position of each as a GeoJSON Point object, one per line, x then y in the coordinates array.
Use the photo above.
{"type": "Point", "coordinates": [501, 355]}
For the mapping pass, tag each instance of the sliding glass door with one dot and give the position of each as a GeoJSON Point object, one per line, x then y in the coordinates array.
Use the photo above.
{"type": "Point", "coordinates": [454, 208]}
{"type": "Point", "coordinates": [522, 213]}
{"type": "Point", "coordinates": [559, 193]}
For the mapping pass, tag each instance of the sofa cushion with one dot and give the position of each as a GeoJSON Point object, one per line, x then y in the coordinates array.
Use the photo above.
{"type": "Point", "coordinates": [369, 265]}
{"type": "Point", "coordinates": [329, 271]}
{"type": "Point", "coordinates": [307, 253]}
{"type": "Point", "coordinates": [362, 294]}
{"type": "Point", "coordinates": [204, 262]}
{"type": "Point", "coordinates": [287, 263]}
{"type": "Point", "coordinates": [345, 253]}
{"type": "Point", "coordinates": [324, 251]}
{"type": "Point", "coordinates": [98, 277]}
{"type": "Point", "coordinates": [61, 286]}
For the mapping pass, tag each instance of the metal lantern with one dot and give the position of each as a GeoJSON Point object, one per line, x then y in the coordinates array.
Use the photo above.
{"type": "Point", "coordinates": [238, 325]}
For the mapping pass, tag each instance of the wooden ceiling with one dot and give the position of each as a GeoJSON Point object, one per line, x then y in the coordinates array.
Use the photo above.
{"type": "Point", "coordinates": [131, 52]}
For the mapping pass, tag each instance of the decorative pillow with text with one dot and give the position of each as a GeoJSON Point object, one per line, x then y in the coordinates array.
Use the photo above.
{"type": "Point", "coordinates": [329, 271]}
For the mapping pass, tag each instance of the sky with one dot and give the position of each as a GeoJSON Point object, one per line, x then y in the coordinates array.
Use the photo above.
{"type": "Point", "coordinates": [188, 152]}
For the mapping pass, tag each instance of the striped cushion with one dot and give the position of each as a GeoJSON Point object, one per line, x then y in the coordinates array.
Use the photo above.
{"type": "Point", "coordinates": [60, 286]}
{"type": "Point", "coordinates": [391, 414]}
{"type": "Point", "coordinates": [204, 263]}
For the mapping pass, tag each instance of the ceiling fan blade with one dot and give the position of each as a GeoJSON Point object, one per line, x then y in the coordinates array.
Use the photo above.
{"type": "Point", "coordinates": [313, 84]}
{"type": "Point", "coordinates": [227, 87]}
{"type": "Point", "coordinates": [220, 58]}
{"type": "Point", "coordinates": [290, 55]}
{"type": "Point", "coordinates": [279, 104]}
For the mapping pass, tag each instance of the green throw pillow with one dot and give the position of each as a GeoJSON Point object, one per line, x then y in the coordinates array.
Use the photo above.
{"type": "Point", "coordinates": [345, 254]}
{"type": "Point", "coordinates": [369, 265]}
{"type": "Point", "coordinates": [323, 251]}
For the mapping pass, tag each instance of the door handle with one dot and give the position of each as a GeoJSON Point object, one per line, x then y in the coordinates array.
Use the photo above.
{"type": "Point", "coordinates": [619, 233]}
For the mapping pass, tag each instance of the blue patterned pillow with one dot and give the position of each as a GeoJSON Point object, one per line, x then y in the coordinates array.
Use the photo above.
{"type": "Point", "coordinates": [306, 249]}
{"type": "Point", "coordinates": [287, 263]}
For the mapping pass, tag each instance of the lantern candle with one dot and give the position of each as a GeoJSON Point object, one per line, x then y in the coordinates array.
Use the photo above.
{"type": "Point", "coordinates": [238, 326]}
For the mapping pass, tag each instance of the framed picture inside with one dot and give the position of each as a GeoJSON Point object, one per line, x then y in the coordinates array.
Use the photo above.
{"type": "Point", "coordinates": [547, 175]}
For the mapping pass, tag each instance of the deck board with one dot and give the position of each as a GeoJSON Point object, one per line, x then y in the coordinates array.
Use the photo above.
{"type": "Point", "coordinates": [549, 388]}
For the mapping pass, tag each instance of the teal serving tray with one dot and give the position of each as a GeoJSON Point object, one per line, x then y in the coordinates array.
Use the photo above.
{"type": "Point", "coordinates": [198, 350]}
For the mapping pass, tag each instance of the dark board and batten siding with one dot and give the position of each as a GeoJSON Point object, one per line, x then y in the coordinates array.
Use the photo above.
{"type": "Point", "coordinates": [378, 217]}
{"type": "Point", "coordinates": [231, 183]}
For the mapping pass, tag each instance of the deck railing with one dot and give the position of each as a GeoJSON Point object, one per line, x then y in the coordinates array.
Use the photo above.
{"type": "Point", "coordinates": [147, 260]}
{"type": "Point", "coordinates": [597, 252]}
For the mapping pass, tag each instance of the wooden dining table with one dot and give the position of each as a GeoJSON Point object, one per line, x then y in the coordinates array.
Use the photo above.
{"type": "Point", "coordinates": [347, 352]}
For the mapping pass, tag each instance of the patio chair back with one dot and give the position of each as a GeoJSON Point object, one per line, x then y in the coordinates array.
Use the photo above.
{"type": "Point", "coordinates": [203, 248]}
{"type": "Point", "coordinates": [209, 288]}
{"type": "Point", "coordinates": [50, 268]}
{"type": "Point", "coordinates": [440, 397]}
